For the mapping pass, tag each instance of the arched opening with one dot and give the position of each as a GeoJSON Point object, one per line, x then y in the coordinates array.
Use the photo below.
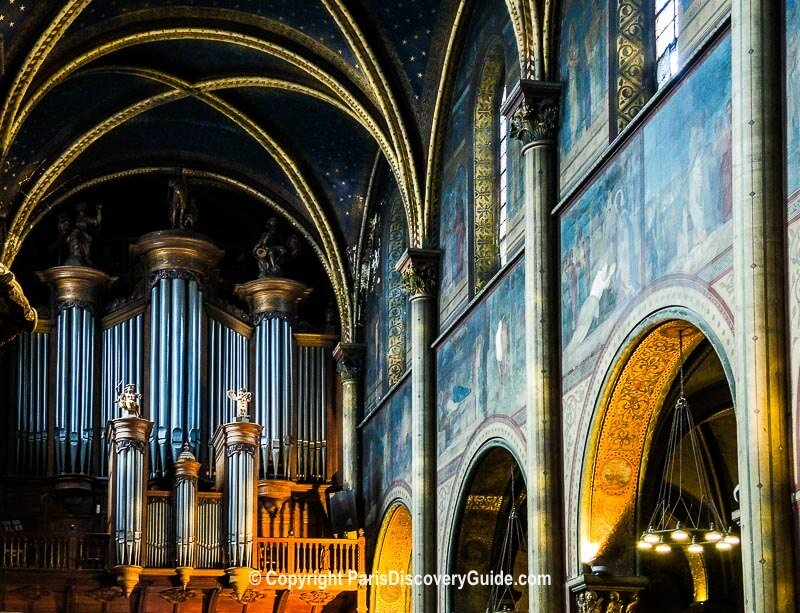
{"type": "Point", "coordinates": [392, 555]}
{"type": "Point", "coordinates": [493, 489]}
{"type": "Point", "coordinates": [625, 474]}
{"type": "Point", "coordinates": [486, 142]}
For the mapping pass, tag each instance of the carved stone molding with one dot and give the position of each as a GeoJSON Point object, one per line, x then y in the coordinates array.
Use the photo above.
{"type": "Point", "coordinates": [349, 360]}
{"type": "Point", "coordinates": [420, 271]}
{"type": "Point", "coordinates": [606, 593]}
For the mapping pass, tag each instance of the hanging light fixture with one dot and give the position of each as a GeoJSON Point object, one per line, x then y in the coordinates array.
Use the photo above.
{"type": "Point", "coordinates": [501, 597]}
{"type": "Point", "coordinates": [678, 522]}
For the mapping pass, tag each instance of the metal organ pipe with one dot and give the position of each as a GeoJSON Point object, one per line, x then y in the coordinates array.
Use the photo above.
{"type": "Point", "coordinates": [122, 362]}
{"type": "Point", "coordinates": [32, 407]}
{"type": "Point", "coordinates": [176, 319]}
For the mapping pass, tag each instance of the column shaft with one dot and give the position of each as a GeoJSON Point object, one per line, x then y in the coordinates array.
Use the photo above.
{"type": "Point", "coordinates": [349, 364]}
{"type": "Point", "coordinates": [759, 213]}
{"type": "Point", "coordinates": [419, 269]}
{"type": "Point", "coordinates": [534, 122]}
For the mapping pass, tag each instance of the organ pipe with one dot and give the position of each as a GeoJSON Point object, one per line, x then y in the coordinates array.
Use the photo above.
{"type": "Point", "coordinates": [187, 469]}
{"type": "Point", "coordinates": [122, 361]}
{"type": "Point", "coordinates": [175, 263]}
{"type": "Point", "coordinates": [76, 291]}
{"type": "Point", "coordinates": [128, 437]}
{"type": "Point", "coordinates": [235, 445]}
{"type": "Point", "coordinates": [273, 304]}
{"type": "Point", "coordinates": [32, 398]}
{"type": "Point", "coordinates": [313, 372]}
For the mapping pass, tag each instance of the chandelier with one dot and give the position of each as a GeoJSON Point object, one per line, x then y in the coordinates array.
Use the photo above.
{"type": "Point", "coordinates": [502, 597]}
{"type": "Point", "coordinates": [678, 521]}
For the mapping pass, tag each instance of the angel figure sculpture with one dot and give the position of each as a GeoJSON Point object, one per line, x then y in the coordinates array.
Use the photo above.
{"type": "Point", "coordinates": [242, 398]}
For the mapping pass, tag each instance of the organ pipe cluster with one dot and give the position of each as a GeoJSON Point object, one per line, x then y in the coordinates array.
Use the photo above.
{"type": "Point", "coordinates": [228, 369]}
{"type": "Point", "coordinates": [175, 325]}
{"type": "Point", "coordinates": [32, 401]}
{"type": "Point", "coordinates": [274, 387]}
{"type": "Point", "coordinates": [235, 447]}
{"type": "Point", "coordinates": [187, 469]}
{"type": "Point", "coordinates": [127, 480]}
{"type": "Point", "coordinates": [313, 390]}
{"type": "Point", "coordinates": [122, 361]}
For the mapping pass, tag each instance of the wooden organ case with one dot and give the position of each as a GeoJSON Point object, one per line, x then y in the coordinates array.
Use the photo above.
{"type": "Point", "coordinates": [172, 453]}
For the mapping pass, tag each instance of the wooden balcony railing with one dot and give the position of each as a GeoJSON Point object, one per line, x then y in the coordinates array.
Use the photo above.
{"type": "Point", "coordinates": [23, 550]}
{"type": "Point", "coordinates": [309, 556]}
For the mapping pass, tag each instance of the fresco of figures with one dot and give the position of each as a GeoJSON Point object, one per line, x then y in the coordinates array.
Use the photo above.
{"type": "Point", "coordinates": [386, 441]}
{"type": "Point", "coordinates": [480, 367]}
{"type": "Point", "coordinates": [793, 95]}
{"type": "Point", "coordinates": [673, 195]}
{"type": "Point", "coordinates": [584, 69]}
{"type": "Point", "coordinates": [489, 27]}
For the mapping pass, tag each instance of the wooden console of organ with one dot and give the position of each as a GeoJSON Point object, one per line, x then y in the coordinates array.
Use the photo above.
{"type": "Point", "coordinates": [179, 506]}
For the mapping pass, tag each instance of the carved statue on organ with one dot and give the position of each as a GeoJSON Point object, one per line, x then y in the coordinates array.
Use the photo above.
{"type": "Point", "coordinates": [271, 253]}
{"type": "Point", "coordinates": [183, 212]}
{"type": "Point", "coordinates": [78, 233]}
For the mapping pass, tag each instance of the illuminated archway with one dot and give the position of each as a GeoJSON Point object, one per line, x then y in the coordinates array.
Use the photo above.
{"type": "Point", "coordinates": [626, 454]}
{"type": "Point", "coordinates": [392, 555]}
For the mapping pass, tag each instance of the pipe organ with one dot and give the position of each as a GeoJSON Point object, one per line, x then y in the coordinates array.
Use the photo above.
{"type": "Point", "coordinates": [194, 481]}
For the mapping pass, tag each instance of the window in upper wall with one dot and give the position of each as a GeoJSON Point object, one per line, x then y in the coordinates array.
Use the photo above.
{"type": "Point", "coordinates": [667, 30]}
{"type": "Point", "coordinates": [502, 229]}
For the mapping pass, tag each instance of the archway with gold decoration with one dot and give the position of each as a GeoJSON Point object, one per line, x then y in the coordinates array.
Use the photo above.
{"type": "Point", "coordinates": [392, 559]}
{"type": "Point", "coordinates": [627, 453]}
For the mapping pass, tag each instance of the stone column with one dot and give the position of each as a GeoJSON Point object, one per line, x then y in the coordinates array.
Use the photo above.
{"type": "Point", "coordinates": [534, 120]}
{"type": "Point", "coordinates": [419, 268]}
{"type": "Point", "coordinates": [273, 304]}
{"type": "Point", "coordinates": [759, 216]}
{"type": "Point", "coordinates": [350, 366]}
{"type": "Point", "coordinates": [76, 292]}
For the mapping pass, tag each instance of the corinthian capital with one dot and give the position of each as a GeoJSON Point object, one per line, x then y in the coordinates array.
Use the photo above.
{"type": "Point", "coordinates": [349, 360]}
{"type": "Point", "coordinates": [419, 269]}
{"type": "Point", "coordinates": [533, 111]}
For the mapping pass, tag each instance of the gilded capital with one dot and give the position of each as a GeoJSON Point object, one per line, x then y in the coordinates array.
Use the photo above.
{"type": "Point", "coordinates": [133, 431]}
{"type": "Point", "coordinates": [76, 285]}
{"type": "Point", "coordinates": [419, 269]}
{"type": "Point", "coordinates": [273, 295]}
{"type": "Point", "coordinates": [186, 466]}
{"type": "Point", "coordinates": [533, 111]}
{"type": "Point", "coordinates": [20, 315]}
{"type": "Point", "coordinates": [168, 251]}
{"type": "Point", "coordinates": [349, 360]}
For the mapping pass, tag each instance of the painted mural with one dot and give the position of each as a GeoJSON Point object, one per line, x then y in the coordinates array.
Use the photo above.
{"type": "Point", "coordinates": [673, 195]}
{"type": "Point", "coordinates": [386, 444]}
{"type": "Point", "coordinates": [793, 95]}
{"type": "Point", "coordinates": [489, 25]}
{"type": "Point", "coordinates": [454, 212]}
{"type": "Point", "coordinates": [480, 367]}
{"type": "Point", "coordinates": [584, 69]}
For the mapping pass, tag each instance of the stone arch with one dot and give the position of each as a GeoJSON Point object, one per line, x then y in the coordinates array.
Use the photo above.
{"type": "Point", "coordinates": [496, 435]}
{"type": "Point", "coordinates": [392, 555]}
{"type": "Point", "coordinates": [621, 454]}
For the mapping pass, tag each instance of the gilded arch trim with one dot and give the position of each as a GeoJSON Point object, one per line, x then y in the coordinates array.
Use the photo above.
{"type": "Point", "coordinates": [485, 153]}
{"type": "Point", "coordinates": [393, 553]}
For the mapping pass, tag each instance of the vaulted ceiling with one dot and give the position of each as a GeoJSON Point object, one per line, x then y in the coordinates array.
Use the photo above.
{"type": "Point", "coordinates": [293, 103]}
